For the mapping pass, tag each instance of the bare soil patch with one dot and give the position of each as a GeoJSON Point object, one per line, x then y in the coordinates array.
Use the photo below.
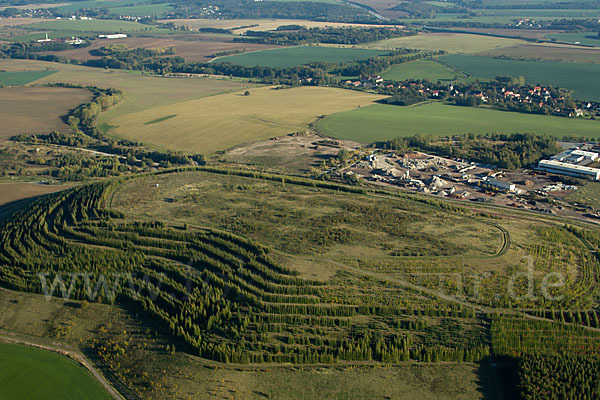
{"type": "Point", "coordinates": [10, 192]}
{"type": "Point", "coordinates": [37, 109]}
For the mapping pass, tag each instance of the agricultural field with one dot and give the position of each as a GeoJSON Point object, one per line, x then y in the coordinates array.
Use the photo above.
{"type": "Point", "coordinates": [37, 109]}
{"type": "Point", "coordinates": [155, 10]}
{"type": "Point", "coordinates": [33, 6]}
{"type": "Point", "coordinates": [585, 38]}
{"type": "Point", "coordinates": [137, 7]}
{"type": "Point", "coordinates": [239, 26]}
{"type": "Point", "coordinates": [202, 49]}
{"type": "Point", "coordinates": [6, 22]}
{"type": "Point", "coordinates": [549, 52]}
{"type": "Point", "coordinates": [96, 25]}
{"type": "Point", "coordinates": [382, 122]}
{"type": "Point", "coordinates": [450, 42]}
{"type": "Point", "coordinates": [421, 69]}
{"type": "Point", "coordinates": [142, 92]}
{"type": "Point", "coordinates": [218, 122]}
{"type": "Point", "coordinates": [31, 373]}
{"type": "Point", "coordinates": [13, 191]}
{"type": "Point", "coordinates": [22, 77]}
{"type": "Point", "coordinates": [574, 76]}
{"type": "Point", "coordinates": [292, 56]}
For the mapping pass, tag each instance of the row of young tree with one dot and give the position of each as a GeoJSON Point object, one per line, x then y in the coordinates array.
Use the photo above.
{"type": "Point", "coordinates": [211, 290]}
{"type": "Point", "coordinates": [558, 377]}
{"type": "Point", "coordinates": [333, 35]}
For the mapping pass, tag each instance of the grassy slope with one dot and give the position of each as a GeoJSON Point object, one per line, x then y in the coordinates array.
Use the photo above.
{"type": "Point", "coordinates": [380, 122]}
{"type": "Point", "coordinates": [219, 122]}
{"type": "Point", "coordinates": [420, 69]}
{"type": "Point", "coordinates": [31, 373]}
{"type": "Point", "coordinates": [576, 76]}
{"type": "Point", "coordinates": [301, 211]}
{"type": "Point", "coordinates": [291, 56]}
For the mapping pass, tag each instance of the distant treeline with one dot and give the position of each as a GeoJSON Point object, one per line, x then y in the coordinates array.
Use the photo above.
{"type": "Point", "coordinates": [322, 35]}
{"type": "Point", "coordinates": [240, 9]}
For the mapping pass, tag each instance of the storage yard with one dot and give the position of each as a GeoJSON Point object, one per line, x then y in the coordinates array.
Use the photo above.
{"type": "Point", "coordinates": [542, 189]}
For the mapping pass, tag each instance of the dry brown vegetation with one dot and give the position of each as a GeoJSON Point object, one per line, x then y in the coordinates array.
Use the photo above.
{"type": "Point", "coordinates": [37, 109]}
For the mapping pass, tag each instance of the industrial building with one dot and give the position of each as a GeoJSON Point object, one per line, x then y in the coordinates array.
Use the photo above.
{"type": "Point", "coordinates": [510, 187]}
{"type": "Point", "coordinates": [563, 168]}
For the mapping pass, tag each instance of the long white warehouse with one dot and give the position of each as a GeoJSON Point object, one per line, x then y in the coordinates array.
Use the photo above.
{"type": "Point", "coordinates": [562, 168]}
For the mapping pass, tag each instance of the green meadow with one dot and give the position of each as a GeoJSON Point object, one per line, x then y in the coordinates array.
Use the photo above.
{"type": "Point", "coordinates": [22, 77]}
{"type": "Point", "coordinates": [581, 78]}
{"type": "Point", "coordinates": [292, 56]}
{"type": "Point", "coordinates": [585, 38]}
{"type": "Point", "coordinates": [30, 373]}
{"type": "Point", "coordinates": [382, 122]}
{"type": "Point", "coordinates": [420, 69]}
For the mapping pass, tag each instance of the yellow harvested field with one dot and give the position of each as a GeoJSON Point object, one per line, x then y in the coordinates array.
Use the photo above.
{"type": "Point", "coordinates": [451, 42]}
{"type": "Point", "coordinates": [141, 91]}
{"type": "Point", "coordinates": [262, 24]}
{"type": "Point", "coordinates": [219, 122]}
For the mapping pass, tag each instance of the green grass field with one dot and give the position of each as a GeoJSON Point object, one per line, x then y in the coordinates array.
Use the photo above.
{"type": "Point", "coordinates": [29, 373]}
{"type": "Point", "coordinates": [381, 122]}
{"type": "Point", "coordinates": [292, 56]}
{"type": "Point", "coordinates": [420, 69]}
{"type": "Point", "coordinates": [586, 38]}
{"type": "Point", "coordinates": [578, 77]}
{"type": "Point", "coordinates": [22, 78]}
{"type": "Point", "coordinates": [122, 7]}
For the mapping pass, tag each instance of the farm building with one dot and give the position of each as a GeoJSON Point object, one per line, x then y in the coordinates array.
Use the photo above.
{"type": "Point", "coordinates": [562, 168]}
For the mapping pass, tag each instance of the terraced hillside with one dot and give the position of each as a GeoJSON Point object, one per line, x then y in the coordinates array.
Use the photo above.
{"type": "Point", "coordinates": [222, 295]}
{"type": "Point", "coordinates": [215, 258]}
